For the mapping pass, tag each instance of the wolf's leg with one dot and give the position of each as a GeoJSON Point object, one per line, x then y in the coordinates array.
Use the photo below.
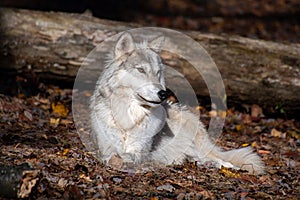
{"type": "Point", "coordinates": [135, 152]}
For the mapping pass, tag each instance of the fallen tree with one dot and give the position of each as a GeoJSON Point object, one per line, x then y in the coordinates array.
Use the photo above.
{"type": "Point", "coordinates": [53, 45]}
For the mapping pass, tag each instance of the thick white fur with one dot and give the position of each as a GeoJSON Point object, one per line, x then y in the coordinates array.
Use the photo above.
{"type": "Point", "coordinates": [137, 130]}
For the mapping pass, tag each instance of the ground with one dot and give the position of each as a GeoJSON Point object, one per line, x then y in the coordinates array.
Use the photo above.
{"type": "Point", "coordinates": [38, 129]}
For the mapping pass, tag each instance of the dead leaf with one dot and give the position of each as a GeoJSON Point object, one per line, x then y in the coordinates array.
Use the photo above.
{"type": "Point", "coordinates": [230, 173]}
{"type": "Point", "coordinates": [62, 183]}
{"type": "Point", "coordinates": [116, 180]}
{"type": "Point", "coordinates": [86, 178]}
{"type": "Point", "coordinates": [54, 122]}
{"type": "Point", "coordinates": [28, 115]}
{"type": "Point", "coordinates": [199, 107]}
{"type": "Point", "coordinates": [181, 196]}
{"type": "Point", "coordinates": [294, 134]}
{"type": "Point", "coordinates": [206, 194]}
{"type": "Point", "coordinates": [167, 187]}
{"type": "Point", "coordinates": [246, 119]}
{"type": "Point", "coordinates": [66, 151]}
{"type": "Point", "coordinates": [88, 93]}
{"type": "Point", "coordinates": [256, 111]}
{"type": "Point", "coordinates": [43, 100]}
{"type": "Point", "coordinates": [276, 133]}
{"type": "Point", "coordinates": [254, 144]}
{"type": "Point", "coordinates": [222, 114]}
{"type": "Point", "coordinates": [212, 113]}
{"type": "Point", "coordinates": [243, 194]}
{"type": "Point", "coordinates": [219, 113]}
{"type": "Point", "coordinates": [264, 152]}
{"type": "Point", "coordinates": [245, 145]}
{"type": "Point", "coordinates": [238, 127]}
{"type": "Point", "coordinates": [44, 136]}
{"type": "Point", "coordinates": [119, 189]}
{"type": "Point", "coordinates": [59, 109]}
{"type": "Point", "coordinates": [66, 121]}
{"type": "Point", "coordinates": [21, 95]}
{"type": "Point", "coordinates": [72, 192]}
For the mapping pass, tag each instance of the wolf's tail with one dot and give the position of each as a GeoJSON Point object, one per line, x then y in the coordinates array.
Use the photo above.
{"type": "Point", "coordinates": [244, 158]}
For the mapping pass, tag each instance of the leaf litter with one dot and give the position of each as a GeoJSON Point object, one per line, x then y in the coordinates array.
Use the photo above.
{"type": "Point", "coordinates": [39, 130]}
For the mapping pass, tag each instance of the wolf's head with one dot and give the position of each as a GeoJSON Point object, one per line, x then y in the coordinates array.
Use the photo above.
{"type": "Point", "coordinates": [137, 67]}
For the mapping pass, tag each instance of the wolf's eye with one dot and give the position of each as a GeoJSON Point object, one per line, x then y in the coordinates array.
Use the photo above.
{"type": "Point", "coordinates": [141, 70]}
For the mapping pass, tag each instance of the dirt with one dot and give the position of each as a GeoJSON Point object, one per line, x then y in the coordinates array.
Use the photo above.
{"type": "Point", "coordinates": [38, 129]}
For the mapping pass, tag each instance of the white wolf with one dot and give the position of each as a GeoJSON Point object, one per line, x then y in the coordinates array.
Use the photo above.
{"type": "Point", "coordinates": [131, 120]}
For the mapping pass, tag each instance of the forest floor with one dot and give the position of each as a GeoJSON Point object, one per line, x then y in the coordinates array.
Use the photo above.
{"type": "Point", "coordinates": [39, 130]}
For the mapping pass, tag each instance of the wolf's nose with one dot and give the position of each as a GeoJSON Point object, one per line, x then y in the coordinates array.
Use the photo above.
{"type": "Point", "coordinates": [162, 95]}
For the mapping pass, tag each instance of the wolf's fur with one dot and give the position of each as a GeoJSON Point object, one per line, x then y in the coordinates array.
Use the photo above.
{"type": "Point", "coordinates": [129, 119]}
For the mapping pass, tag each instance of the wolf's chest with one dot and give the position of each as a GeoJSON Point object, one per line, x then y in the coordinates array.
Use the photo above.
{"type": "Point", "coordinates": [141, 124]}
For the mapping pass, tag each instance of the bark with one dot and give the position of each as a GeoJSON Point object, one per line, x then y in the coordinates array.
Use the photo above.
{"type": "Point", "coordinates": [17, 181]}
{"type": "Point", "coordinates": [53, 45]}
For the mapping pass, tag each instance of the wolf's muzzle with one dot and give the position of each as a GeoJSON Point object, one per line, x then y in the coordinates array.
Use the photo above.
{"type": "Point", "coordinates": [163, 95]}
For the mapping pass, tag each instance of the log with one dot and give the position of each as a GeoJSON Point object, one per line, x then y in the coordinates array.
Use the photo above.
{"type": "Point", "coordinates": [54, 44]}
{"type": "Point", "coordinates": [17, 181]}
{"type": "Point", "coordinates": [195, 8]}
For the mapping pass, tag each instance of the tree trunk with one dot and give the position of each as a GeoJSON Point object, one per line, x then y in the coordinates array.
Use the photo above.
{"type": "Point", "coordinates": [53, 45]}
{"type": "Point", "coordinates": [213, 8]}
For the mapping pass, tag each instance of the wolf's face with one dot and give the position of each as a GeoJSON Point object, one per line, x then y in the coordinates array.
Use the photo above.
{"type": "Point", "coordinates": [141, 70]}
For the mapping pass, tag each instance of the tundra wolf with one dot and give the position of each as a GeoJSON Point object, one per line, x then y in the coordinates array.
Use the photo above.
{"type": "Point", "coordinates": [132, 120]}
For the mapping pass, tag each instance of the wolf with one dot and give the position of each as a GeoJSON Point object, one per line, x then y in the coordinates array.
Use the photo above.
{"type": "Point", "coordinates": [131, 118]}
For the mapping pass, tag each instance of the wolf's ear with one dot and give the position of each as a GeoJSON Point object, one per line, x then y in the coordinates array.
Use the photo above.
{"type": "Point", "coordinates": [157, 43]}
{"type": "Point", "coordinates": [124, 45]}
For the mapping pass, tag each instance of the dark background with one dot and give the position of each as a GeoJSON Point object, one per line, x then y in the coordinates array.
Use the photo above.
{"type": "Point", "coordinates": [276, 20]}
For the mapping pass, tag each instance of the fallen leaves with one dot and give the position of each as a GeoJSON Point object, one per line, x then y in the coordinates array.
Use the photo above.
{"type": "Point", "coordinates": [28, 115]}
{"type": "Point", "coordinates": [166, 187]}
{"type": "Point", "coordinates": [86, 178]}
{"type": "Point", "coordinates": [59, 109]}
{"type": "Point", "coordinates": [63, 153]}
{"type": "Point", "coordinates": [72, 192]}
{"type": "Point", "coordinates": [294, 133]}
{"type": "Point", "coordinates": [229, 173]}
{"type": "Point", "coordinates": [62, 183]}
{"type": "Point", "coordinates": [30, 131]}
{"type": "Point", "coordinates": [54, 122]}
{"type": "Point", "coordinates": [217, 113]}
{"type": "Point", "coordinates": [256, 111]}
{"type": "Point", "coordinates": [278, 134]}
{"type": "Point", "coordinates": [239, 127]}
{"type": "Point", "coordinates": [262, 152]}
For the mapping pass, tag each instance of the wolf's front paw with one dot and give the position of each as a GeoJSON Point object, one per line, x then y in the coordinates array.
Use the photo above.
{"type": "Point", "coordinates": [136, 158]}
{"type": "Point", "coordinates": [128, 158]}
